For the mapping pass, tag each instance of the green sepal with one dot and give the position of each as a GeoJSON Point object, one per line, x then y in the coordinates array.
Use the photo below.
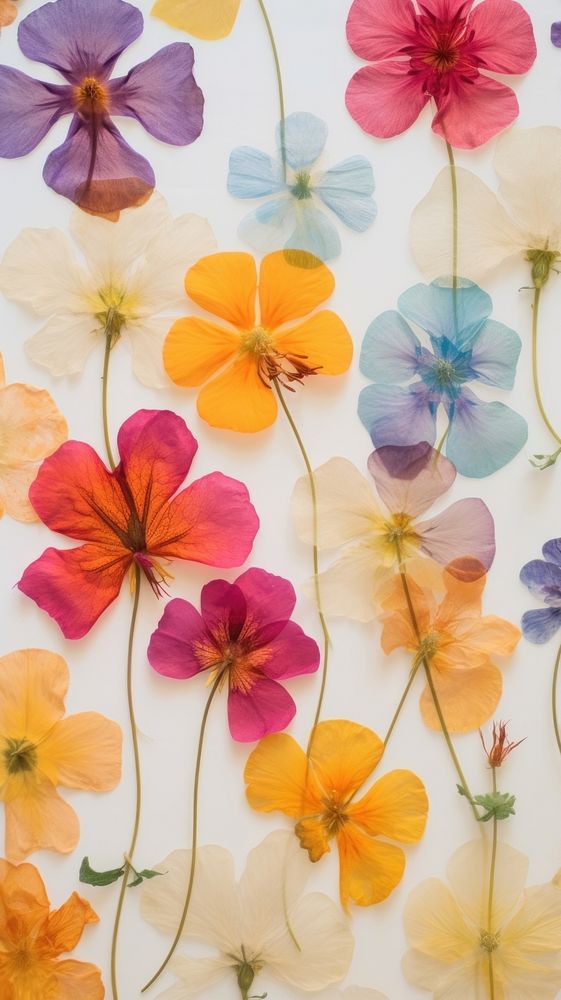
{"type": "Point", "coordinates": [140, 876]}
{"type": "Point", "coordinates": [91, 877]}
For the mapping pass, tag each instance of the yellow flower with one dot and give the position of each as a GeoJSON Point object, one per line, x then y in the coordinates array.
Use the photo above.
{"type": "Point", "coordinates": [40, 750]}
{"type": "Point", "coordinates": [208, 19]}
{"type": "Point", "coordinates": [451, 937]}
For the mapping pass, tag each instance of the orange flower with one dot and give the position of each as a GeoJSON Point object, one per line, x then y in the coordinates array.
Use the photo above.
{"type": "Point", "coordinates": [319, 792]}
{"type": "Point", "coordinates": [40, 750]}
{"type": "Point", "coordinates": [457, 641]}
{"type": "Point", "coordinates": [241, 363]}
{"type": "Point", "coordinates": [32, 938]}
{"type": "Point", "coordinates": [8, 12]}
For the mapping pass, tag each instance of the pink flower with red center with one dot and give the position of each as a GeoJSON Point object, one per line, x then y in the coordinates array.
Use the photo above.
{"type": "Point", "coordinates": [436, 50]}
{"type": "Point", "coordinates": [244, 636]}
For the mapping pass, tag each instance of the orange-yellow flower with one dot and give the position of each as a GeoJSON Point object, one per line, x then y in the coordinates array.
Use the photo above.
{"type": "Point", "coordinates": [319, 792]}
{"type": "Point", "coordinates": [241, 363]}
{"type": "Point", "coordinates": [8, 12]}
{"type": "Point", "coordinates": [457, 641]}
{"type": "Point", "coordinates": [208, 19]}
{"type": "Point", "coordinates": [40, 750]}
{"type": "Point", "coordinates": [32, 939]}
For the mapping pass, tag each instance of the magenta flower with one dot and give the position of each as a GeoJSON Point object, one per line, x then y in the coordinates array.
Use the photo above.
{"type": "Point", "coordinates": [83, 39]}
{"type": "Point", "coordinates": [243, 633]}
{"type": "Point", "coordinates": [438, 50]}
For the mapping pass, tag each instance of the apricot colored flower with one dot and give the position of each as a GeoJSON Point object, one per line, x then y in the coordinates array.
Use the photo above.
{"type": "Point", "coordinates": [8, 12]}
{"type": "Point", "coordinates": [319, 793]}
{"type": "Point", "coordinates": [458, 642]}
{"type": "Point", "coordinates": [95, 167]}
{"type": "Point", "coordinates": [243, 633]}
{"type": "Point", "coordinates": [439, 50]}
{"type": "Point", "coordinates": [208, 19]}
{"type": "Point", "coordinates": [523, 222]}
{"type": "Point", "coordinates": [39, 750]}
{"type": "Point", "coordinates": [451, 940]}
{"type": "Point", "coordinates": [132, 516]}
{"type": "Point", "coordinates": [125, 278]}
{"type": "Point", "coordinates": [409, 480]}
{"type": "Point", "coordinates": [33, 937]}
{"type": "Point", "coordinates": [241, 362]}
{"type": "Point", "coordinates": [31, 427]}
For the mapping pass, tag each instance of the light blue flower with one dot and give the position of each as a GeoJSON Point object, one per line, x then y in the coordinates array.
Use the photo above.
{"type": "Point", "coordinates": [413, 381]}
{"type": "Point", "coordinates": [293, 215]}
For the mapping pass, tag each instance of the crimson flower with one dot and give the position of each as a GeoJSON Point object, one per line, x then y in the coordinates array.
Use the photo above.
{"type": "Point", "coordinates": [129, 517]}
{"type": "Point", "coordinates": [436, 49]}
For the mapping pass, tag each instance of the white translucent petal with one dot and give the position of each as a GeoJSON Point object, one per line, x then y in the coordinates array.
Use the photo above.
{"type": "Point", "coordinates": [528, 162]}
{"type": "Point", "coordinates": [468, 874]}
{"type": "Point", "coordinates": [39, 270]}
{"type": "Point", "coordinates": [170, 253]}
{"type": "Point", "coordinates": [345, 504]}
{"type": "Point", "coordinates": [64, 343]}
{"type": "Point", "coordinates": [320, 948]}
{"type": "Point", "coordinates": [194, 976]}
{"type": "Point", "coordinates": [145, 338]}
{"type": "Point", "coordinates": [274, 878]}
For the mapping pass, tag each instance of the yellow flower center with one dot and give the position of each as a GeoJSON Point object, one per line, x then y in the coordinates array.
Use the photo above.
{"type": "Point", "coordinates": [272, 364]}
{"type": "Point", "coordinates": [428, 645]}
{"type": "Point", "coordinates": [113, 307]}
{"type": "Point", "coordinates": [91, 96]}
{"type": "Point", "coordinates": [334, 817]}
{"type": "Point", "coordinates": [398, 530]}
{"type": "Point", "coordinates": [257, 342]}
{"type": "Point", "coordinates": [19, 756]}
{"type": "Point", "coordinates": [489, 941]}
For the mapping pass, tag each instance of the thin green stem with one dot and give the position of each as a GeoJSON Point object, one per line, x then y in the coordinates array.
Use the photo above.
{"type": "Point", "coordinates": [194, 833]}
{"type": "Point", "coordinates": [109, 341]}
{"type": "Point", "coordinates": [416, 664]}
{"type": "Point", "coordinates": [138, 786]}
{"type": "Point", "coordinates": [554, 699]}
{"type": "Point", "coordinates": [279, 82]}
{"type": "Point", "coordinates": [492, 868]}
{"type": "Point", "coordinates": [535, 369]}
{"type": "Point", "coordinates": [454, 182]}
{"type": "Point", "coordinates": [317, 590]}
{"type": "Point", "coordinates": [440, 444]}
{"type": "Point", "coordinates": [434, 693]}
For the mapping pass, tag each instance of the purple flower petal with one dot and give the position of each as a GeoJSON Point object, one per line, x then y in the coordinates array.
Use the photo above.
{"type": "Point", "coordinates": [267, 708]}
{"type": "Point", "coordinates": [466, 529]}
{"type": "Point", "coordinates": [171, 647]}
{"type": "Point", "coordinates": [556, 33]}
{"type": "Point", "coordinates": [543, 580]}
{"type": "Point", "coordinates": [410, 479]}
{"type": "Point", "coordinates": [97, 169]}
{"type": "Point", "coordinates": [292, 653]}
{"type": "Point", "coordinates": [28, 109]}
{"type": "Point", "coordinates": [162, 95]}
{"type": "Point", "coordinates": [80, 37]}
{"type": "Point", "coordinates": [552, 551]}
{"type": "Point", "coordinates": [539, 626]}
{"type": "Point", "coordinates": [394, 415]}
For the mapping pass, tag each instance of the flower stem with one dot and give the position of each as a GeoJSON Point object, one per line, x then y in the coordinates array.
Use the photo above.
{"type": "Point", "coordinates": [433, 691]}
{"type": "Point", "coordinates": [194, 834]}
{"type": "Point", "coordinates": [313, 492]}
{"type": "Point", "coordinates": [109, 341]}
{"type": "Point", "coordinates": [554, 699]}
{"type": "Point", "coordinates": [492, 868]}
{"type": "Point", "coordinates": [138, 787]}
{"type": "Point", "coordinates": [416, 664]}
{"type": "Point", "coordinates": [279, 82]}
{"type": "Point", "coordinates": [440, 444]}
{"type": "Point", "coordinates": [454, 182]}
{"type": "Point", "coordinates": [535, 371]}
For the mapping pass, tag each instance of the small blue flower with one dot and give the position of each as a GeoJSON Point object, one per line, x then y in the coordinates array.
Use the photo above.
{"type": "Point", "coordinates": [465, 346]}
{"type": "Point", "coordinates": [292, 217]}
{"type": "Point", "coordinates": [542, 577]}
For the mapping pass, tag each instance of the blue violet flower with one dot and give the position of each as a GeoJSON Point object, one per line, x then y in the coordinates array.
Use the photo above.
{"type": "Point", "coordinates": [542, 577]}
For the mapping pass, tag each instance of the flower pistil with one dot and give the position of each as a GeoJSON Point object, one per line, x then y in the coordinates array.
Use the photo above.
{"type": "Point", "coordinates": [19, 756]}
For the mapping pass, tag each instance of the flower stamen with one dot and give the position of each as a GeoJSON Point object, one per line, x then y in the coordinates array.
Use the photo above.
{"type": "Point", "coordinates": [20, 756]}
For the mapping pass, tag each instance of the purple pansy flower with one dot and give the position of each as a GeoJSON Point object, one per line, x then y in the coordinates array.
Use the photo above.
{"type": "Point", "coordinates": [242, 635]}
{"type": "Point", "coordinates": [83, 39]}
{"type": "Point", "coordinates": [543, 579]}
{"type": "Point", "coordinates": [556, 33]}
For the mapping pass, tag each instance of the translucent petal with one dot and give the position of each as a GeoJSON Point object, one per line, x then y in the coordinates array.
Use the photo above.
{"type": "Point", "coordinates": [483, 437]}
{"type": "Point", "coordinates": [443, 311]}
{"type": "Point", "coordinates": [394, 415]}
{"type": "Point", "coordinates": [253, 174]}
{"type": "Point", "coordinates": [390, 349]}
{"type": "Point", "coordinates": [495, 353]}
{"type": "Point", "coordinates": [304, 136]}
{"type": "Point", "coordinates": [347, 189]}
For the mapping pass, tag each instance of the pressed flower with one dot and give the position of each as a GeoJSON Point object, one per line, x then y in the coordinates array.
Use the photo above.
{"type": "Point", "coordinates": [240, 363]}
{"type": "Point", "coordinates": [319, 792]}
{"type": "Point", "coordinates": [354, 993]}
{"type": "Point", "coordinates": [95, 167]}
{"type": "Point", "coordinates": [377, 538]}
{"type": "Point", "coordinates": [458, 642]}
{"type": "Point", "coordinates": [543, 579]}
{"type": "Point", "coordinates": [293, 217]}
{"type": "Point", "coordinates": [556, 33]}
{"type": "Point", "coordinates": [31, 427]}
{"type": "Point", "coordinates": [39, 750]}
{"type": "Point", "coordinates": [208, 19]}
{"type": "Point", "coordinates": [125, 276]}
{"type": "Point", "coordinates": [243, 635]}
{"type": "Point", "coordinates": [131, 517]}
{"type": "Point", "coordinates": [261, 925]}
{"type": "Point", "coordinates": [466, 347]}
{"type": "Point", "coordinates": [451, 942]}
{"type": "Point", "coordinates": [501, 747]}
{"type": "Point", "coordinates": [439, 50]}
{"type": "Point", "coordinates": [8, 12]}
{"type": "Point", "coordinates": [34, 938]}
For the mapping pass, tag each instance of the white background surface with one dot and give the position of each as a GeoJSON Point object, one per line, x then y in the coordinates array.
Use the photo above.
{"type": "Point", "coordinates": [237, 78]}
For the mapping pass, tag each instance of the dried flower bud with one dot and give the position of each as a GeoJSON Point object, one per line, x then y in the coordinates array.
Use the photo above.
{"type": "Point", "coordinates": [501, 745]}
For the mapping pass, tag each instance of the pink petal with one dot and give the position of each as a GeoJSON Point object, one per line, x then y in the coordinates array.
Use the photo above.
{"type": "Point", "coordinates": [466, 529]}
{"type": "Point", "coordinates": [503, 36]}
{"type": "Point", "coordinates": [378, 29]}
{"type": "Point", "coordinates": [156, 450]}
{"type": "Point", "coordinates": [474, 111]}
{"type": "Point", "coordinates": [268, 708]}
{"type": "Point", "coordinates": [74, 586]}
{"type": "Point", "coordinates": [385, 99]}
{"type": "Point", "coordinates": [291, 653]}
{"type": "Point", "coordinates": [171, 647]}
{"type": "Point", "coordinates": [445, 10]}
{"type": "Point", "coordinates": [223, 607]}
{"type": "Point", "coordinates": [410, 479]}
{"type": "Point", "coordinates": [269, 598]}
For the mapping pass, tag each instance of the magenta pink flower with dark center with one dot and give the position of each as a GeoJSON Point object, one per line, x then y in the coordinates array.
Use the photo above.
{"type": "Point", "coordinates": [83, 39]}
{"type": "Point", "coordinates": [437, 50]}
{"type": "Point", "coordinates": [244, 636]}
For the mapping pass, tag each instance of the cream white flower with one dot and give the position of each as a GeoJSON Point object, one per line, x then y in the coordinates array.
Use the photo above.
{"type": "Point", "coordinates": [353, 993]}
{"type": "Point", "coordinates": [128, 272]}
{"type": "Point", "coordinates": [525, 220]}
{"type": "Point", "coordinates": [451, 940]}
{"type": "Point", "coordinates": [262, 923]}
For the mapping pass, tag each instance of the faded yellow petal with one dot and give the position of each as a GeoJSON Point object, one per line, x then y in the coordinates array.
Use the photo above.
{"type": "Point", "coordinates": [33, 684]}
{"type": "Point", "coordinates": [82, 751]}
{"type": "Point", "coordinates": [349, 587]}
{"type": "Point", "coordinates": [468, 874]}
{"type": "Point", "coordinates": [528, 162]}
{"type": "Point", "coordinates": [345, 505]}
{"type": "Point", "coordinates": [435, 925]}
{"type": "Point", "coordinates": [208, 19]}
{"type": "Point", "coordinates": [40, 820]}
{"type": "Point", "coordinates": [467, 698]}
{"type": "Point", "coordinates": [31, 426]}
